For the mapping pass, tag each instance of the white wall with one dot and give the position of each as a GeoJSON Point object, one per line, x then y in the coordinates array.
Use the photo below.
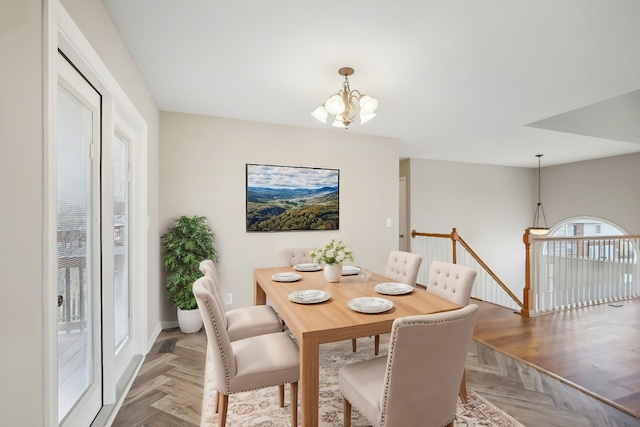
{"type": "Point", "coordinates": [202, 171]}
{"type": "Point", "coordinates": [490, 206]}
{"type": "Point", "coordinates": [606, 188]}
{"type": "Point", "coordinates": [21, 224]}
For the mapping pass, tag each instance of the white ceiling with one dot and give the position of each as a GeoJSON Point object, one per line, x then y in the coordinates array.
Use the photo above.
{"type": "Point", "coordinates": [492, 81]}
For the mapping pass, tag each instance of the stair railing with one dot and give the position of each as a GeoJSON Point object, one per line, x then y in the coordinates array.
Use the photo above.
{"type": "Point", "coordinates": [452, 248]}
{"type": "Point", "coordinates": [570, 272]}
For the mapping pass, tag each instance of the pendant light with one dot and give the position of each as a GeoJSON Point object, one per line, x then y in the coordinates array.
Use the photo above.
{"type": "Point", "coordinates": [346, 105]}
{"type": "Point", "coordinates": [537, 228]}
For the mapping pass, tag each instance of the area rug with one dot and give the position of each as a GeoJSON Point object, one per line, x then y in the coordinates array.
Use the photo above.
{"type": "Point", "coordinates": [260, 407]}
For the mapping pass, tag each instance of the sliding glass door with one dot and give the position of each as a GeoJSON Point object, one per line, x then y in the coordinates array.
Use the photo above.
{"type": "Point", "coordinates": [78, 248]}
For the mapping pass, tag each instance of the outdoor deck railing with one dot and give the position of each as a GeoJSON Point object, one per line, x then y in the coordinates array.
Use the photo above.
{"type": "Point", "coordinates": [72, 283]}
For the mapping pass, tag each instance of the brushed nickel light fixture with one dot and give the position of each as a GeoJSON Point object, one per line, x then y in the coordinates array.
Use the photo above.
{"type": "Point", "coordinates": [346, 105]}
{"type": "Point", "coordinates": [537, 228]}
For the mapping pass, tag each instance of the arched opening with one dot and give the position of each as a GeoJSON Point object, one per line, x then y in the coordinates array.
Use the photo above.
{"type": "Point", "coordinates": [586, 227]}
{"type": "Point", "coordinates": [602, 249]}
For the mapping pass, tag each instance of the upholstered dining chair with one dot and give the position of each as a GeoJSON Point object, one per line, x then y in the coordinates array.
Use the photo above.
{"type": "Point", "coordinates": [453, 282]}
{"type": "Point", "coordinates": [242, 322]}
{"type": "Point", "coordinates": [249, 363]}
{"type": "Point", "coordinates": [395, 390]}
{"type": "Point", "coordinates": [293, 256]}
{"type": "Point", "coordinates": [402, 267]}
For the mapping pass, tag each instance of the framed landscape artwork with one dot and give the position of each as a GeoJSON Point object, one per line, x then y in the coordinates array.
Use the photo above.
{"type": "Point", "coordinates": [291, 198]}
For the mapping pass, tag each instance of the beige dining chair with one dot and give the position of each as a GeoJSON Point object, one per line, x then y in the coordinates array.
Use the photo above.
{"type": "Point", "coordinates": [402, 267]}
{"type": "Point", "coordinates": [293, 256]}
{"type": "Point", "coordinates": [242, 322]}
{"type": "Point", "coordinates": [416, 384]}
{"type": "Point", "coordinates": [246, 364]}
{"type": "Point", "coordinates": [452, 282]}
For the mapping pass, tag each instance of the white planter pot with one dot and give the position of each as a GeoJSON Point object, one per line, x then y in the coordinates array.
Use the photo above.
{"type": "Point", "coordinates": [189, 321]}
{"type": "Point", "coordinates": [333, 272]}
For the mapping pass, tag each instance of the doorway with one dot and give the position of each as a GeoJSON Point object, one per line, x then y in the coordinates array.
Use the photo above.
{"type": "Point", "coordinates": [78, 247]}
{"type": "Point", "coordinates": [402, 217]}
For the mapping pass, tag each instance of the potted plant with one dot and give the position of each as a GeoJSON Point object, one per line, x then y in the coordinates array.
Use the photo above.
{"type": "Point", "coordinates": [187, 242]}
{"type": "Point", "coordinates": [332, 255]}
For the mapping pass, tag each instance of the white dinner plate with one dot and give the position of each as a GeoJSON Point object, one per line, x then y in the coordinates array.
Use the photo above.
{"type": "Point", "coordinates": [286, 277]}
{"type": "Point", "coordinates": [370, 305]}
{"type": "Point", "coordinates": [310, 266]}
{"type": "Point", "coordinates": [350, 270]}
{"type": "Point", "coordinates": [393, 288]}
{"type": "Point", "coordinates": [309, 296]}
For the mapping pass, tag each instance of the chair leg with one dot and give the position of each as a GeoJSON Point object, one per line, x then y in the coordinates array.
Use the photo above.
{"type": "Point", "coordinates": [281, 395]}
{"type": "Point", "coordinates": [222, 416]}
{"type": "Point", "coordinates": [347, 413]}
{"type": "Point", "coordinates": [377, 345]}
{"type": "Point", "coordinates": [463, 387]}
{"type": "Point", "coordinates": [450, 424]}
{"type": "Point", "coordinates": [353, 345]}
{"type": "Point", "coordinates": [293, 395]}
{"type": "Point", "coordinates": [217, 396]}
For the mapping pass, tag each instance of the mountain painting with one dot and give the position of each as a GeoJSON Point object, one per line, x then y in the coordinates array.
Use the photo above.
{"type": "Point", "coordinates": [289, 198]}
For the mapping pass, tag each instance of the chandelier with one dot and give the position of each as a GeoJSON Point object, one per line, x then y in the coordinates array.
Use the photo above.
{"type": "Point", "coordinates": [346, 105]}
{"type": "Point", "coordinates": [537, 228]}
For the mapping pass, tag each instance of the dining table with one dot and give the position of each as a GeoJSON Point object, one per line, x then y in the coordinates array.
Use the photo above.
{"type": "Point", "coordinates": [313, 323]}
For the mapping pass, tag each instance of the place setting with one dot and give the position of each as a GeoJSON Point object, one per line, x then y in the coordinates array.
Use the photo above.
{"type": "Point", "coordinates": [309, 296]}
{"type": "Point", "coordinates": [307, 267]}
{"type": "Point", "coordinates": [286, 277]}
{"type": "Point", "coordinates": [393, 288]}
{"type": "Point", "coordinates": [370, 305]}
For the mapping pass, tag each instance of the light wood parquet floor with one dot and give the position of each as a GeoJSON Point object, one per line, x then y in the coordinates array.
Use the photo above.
{"type": "Point", "coordinates": [602, 340]}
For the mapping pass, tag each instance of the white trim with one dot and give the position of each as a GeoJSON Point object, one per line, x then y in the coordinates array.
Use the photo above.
{"type": "Point", "coordinates": [59, 31]}
{"type": "Point", "coordinates": [169, 324]}
{"type": "Point", "coordinates": [155, 334]}
{"type": "Point", "coordinates": [49, 186]}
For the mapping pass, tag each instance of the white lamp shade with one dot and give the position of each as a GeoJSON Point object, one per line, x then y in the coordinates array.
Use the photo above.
{"type": "Point", "coordinates": [320, 113]}
{"type": "Point", "coordinates": [364, 118]}
{"type": "Point", "coordinates": [538, 231]}
{"type": "Point", "coordinates": [335, 104]}
{"type": "Point", "coordinates": [338, 124]}
{"type": "Point", "coordinates": [367, 105]}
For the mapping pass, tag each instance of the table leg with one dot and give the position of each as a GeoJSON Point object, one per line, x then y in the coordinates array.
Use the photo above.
{"type": "Point", "coordinates": [259, 297]}
{"type": "Point", "coordinates": [310, 380]}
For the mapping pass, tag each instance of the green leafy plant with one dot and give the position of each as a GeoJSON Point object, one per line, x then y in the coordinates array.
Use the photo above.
{"type": "Point", "coordinates": [332, 253]}
{"type": "Point", "coordinates": [186, 243]}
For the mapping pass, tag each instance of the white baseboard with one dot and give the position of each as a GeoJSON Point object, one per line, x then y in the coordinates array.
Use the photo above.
{"type": "Point", "coordinates": [170, 325]}
{"type": "Point", "coordinates": [154, 336]}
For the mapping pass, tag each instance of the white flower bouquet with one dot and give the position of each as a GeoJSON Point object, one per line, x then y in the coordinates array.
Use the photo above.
{"type": "Point", "coordinates": [332, 253]}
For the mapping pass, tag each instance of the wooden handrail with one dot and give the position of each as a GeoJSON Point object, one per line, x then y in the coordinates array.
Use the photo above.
{"type": "Point", "coordinates": [490, 272]}
{"type": "Point", "coordinates": [455, 237]}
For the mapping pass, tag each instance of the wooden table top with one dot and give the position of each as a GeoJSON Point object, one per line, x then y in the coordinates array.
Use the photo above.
{"type": "Point", "coordinates": [333, 320]}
